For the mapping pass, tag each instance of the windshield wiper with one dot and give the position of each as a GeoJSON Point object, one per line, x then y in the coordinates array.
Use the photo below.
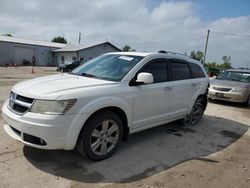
{"type": "Point", "coordinates": [88, 75]}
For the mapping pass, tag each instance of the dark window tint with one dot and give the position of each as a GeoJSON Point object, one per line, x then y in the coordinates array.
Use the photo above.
{"type": "Point", "coordinates": [179, 71]}
{"type": "Point", "coordinates": [196, 71]}
{"type": "Point", "coordinates": [159, 71]}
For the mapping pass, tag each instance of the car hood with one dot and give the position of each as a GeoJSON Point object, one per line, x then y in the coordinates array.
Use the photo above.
{"type": "Point", "coordinates": [229, 83]}
{"type": "Point", "coordinates": [49, 87]}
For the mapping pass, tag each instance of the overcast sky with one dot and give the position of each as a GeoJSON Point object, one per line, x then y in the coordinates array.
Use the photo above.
{"type": "Point", "coordinates": [143, 24]}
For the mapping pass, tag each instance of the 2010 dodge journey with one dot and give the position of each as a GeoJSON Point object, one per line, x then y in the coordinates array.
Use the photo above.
{"type": "Point", "coordinates": [101, 102]}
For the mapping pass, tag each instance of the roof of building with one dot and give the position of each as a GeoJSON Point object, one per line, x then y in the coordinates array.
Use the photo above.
{"type": "Point", "coordinates": [29, 41]}
{"type": "Point", "coordinates": [78, 47]}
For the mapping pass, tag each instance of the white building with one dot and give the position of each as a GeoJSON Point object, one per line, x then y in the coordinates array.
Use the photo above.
{"type": "Point", "coordinates": [83, 52]}
{"type": "Point", "coordinates": [16, 50]}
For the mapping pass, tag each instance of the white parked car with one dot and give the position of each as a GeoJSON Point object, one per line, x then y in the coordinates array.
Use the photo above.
{"type": "Point", "coordinates": [104, 100]}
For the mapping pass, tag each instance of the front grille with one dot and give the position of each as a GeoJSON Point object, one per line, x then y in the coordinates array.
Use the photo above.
{"type": "Point", "coordinates": [19, 104]}
{"type": "Point", "coordinates": [221, 88]}
{"type": "Point", "coordinates": [24, 99]}
{"type": "Point", "coordinates": [19, 108]}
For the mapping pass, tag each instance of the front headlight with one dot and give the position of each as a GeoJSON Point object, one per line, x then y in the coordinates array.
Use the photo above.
{"type": "Point", "coordinates": [238, 90]}
{"type": "Point", "coordinates": [52, 107]}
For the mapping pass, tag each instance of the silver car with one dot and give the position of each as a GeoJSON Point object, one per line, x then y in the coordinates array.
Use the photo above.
{"type": "Point", "coordinates": [231, 85]}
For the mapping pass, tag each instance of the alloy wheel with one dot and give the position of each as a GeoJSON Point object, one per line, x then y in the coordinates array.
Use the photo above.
{"type": "Point", "coordinates": [104, 137]}
{"type": "Point", "coordinates": [196, 114]}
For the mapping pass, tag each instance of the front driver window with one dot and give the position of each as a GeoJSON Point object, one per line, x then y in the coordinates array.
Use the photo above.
{"type": "Point", "coordinates": [158, 69]}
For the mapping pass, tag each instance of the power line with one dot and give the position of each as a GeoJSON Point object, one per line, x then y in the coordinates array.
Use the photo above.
{"type": "Point", "coordinates": [185, 37]}
{"type": "Point", "coordinates": [231, 34]}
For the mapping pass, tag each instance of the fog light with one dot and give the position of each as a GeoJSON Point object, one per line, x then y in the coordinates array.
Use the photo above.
{"type": "Point", "coordinates": [42, 142]}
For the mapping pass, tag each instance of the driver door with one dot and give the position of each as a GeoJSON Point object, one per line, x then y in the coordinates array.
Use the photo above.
{"type": "Point", "coordinates": [151, 103]}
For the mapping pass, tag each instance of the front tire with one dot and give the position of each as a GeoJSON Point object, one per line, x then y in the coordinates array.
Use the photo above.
{"type": "Point", "coordinates": [196, 113]}
{"type": "Point", "coordinates": [100, 136]}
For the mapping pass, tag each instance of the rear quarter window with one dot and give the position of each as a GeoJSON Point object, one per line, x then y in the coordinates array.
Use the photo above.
{"type": "Point", "coordinates": [196, 71]}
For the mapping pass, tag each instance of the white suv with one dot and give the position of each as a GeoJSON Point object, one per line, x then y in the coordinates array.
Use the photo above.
{"type": "Point", "coordinates": [104, 100]}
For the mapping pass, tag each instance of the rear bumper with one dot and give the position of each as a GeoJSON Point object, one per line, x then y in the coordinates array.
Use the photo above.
{"type": "Point", "coordinates": [57, 131]}
{"type": "Point", "coordinates": [227, 96]}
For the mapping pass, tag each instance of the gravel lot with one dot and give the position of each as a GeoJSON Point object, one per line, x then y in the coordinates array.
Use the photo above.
{"type": "Point", "coordinates": [214, 153]}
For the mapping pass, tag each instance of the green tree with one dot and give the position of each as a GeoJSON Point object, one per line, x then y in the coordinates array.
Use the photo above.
{"type": "Point", "coordinates": [226, 63]}
{"type": "Point", "coordinates": [59, 39]}
{"type": "Point", "coordinates": [7, 34]}
{"type": "Point", "coordinates": [197, 55]}
{"type": "Point", "coordinates": [127, 48]}
{"type": "Point", "coordinates": [211, 65]}
{"type": "Point", "coordinates": [226, 59]}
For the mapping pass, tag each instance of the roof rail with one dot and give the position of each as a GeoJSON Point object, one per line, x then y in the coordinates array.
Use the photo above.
{"type": "Point", "coordinates": [169, 52]}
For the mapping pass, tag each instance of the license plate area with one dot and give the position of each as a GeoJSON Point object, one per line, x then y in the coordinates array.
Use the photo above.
{"type": "Point", "coordinates": [219, 95]}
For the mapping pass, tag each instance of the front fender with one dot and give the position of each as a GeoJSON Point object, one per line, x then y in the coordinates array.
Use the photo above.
{"type": "Point", "coordinates": [88, 109]}
{"type": "Point", "coordinates": [104, 102]}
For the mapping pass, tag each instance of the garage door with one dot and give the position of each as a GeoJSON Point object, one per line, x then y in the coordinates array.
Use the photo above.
{"type": "Point", "coordinates": [21, 53]}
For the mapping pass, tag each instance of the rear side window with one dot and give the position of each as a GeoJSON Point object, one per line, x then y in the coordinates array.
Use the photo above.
{"type": "Point", "coordinates": [179, 71]}
{"type": "Point", "coordinates": [158, 69]}
{"type": "Point", "coordinates": [196, 71]}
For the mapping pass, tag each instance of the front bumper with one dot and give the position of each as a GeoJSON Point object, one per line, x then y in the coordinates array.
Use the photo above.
{"type": "Point", "coordinates": [57, 131]}
{"type": "Point", "coordinates": [227, 96]}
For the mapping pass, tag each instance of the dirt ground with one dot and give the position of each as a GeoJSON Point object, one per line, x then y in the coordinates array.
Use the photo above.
{"type": "Point", "coordinates": [213, 153]}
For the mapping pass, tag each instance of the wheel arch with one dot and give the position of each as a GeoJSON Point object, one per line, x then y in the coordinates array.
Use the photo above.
{"type": "Point", "coordinates": [202, 95]}
{"type": "Point", "coordinates": [116, 110]}
{"type": "Point", "coordinates": [203, 98]}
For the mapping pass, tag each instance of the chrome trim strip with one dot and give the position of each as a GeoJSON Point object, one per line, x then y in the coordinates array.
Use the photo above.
{"type": "Point", "coordinates": [21, 103]}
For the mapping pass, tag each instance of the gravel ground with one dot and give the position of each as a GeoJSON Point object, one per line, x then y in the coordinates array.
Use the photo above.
{"type": "Point", "coordinates": [213, 153]}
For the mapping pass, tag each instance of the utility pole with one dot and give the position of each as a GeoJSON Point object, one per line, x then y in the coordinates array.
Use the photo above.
{"type": "Point", "coordinates": [80, 37]}
{"type": "Point", "coordinates": [205, 54]}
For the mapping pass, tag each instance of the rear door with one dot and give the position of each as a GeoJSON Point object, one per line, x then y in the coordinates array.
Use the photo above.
{"type": "Point", "coordinates": [182, 88]}
{"type": "Point", "coordinates": [199, 82]}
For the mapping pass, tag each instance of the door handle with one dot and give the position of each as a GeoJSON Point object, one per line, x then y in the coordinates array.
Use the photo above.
{"type": "Point", "coordinates": [168, 88]}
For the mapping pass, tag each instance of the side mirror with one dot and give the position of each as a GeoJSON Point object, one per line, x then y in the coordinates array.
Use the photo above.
{"type": "Point", "coordinates": [145, 78]}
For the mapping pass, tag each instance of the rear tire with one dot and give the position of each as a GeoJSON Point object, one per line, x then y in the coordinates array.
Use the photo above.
{"type": "Point", "coordinates": [196, 113]}
{"type": "Point", "coordinates": [247, 103]}
{"type": "Point", "coordinates": [100, 136]}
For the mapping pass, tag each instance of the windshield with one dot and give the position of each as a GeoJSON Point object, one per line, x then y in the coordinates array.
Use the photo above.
{"type": "Point", "coordinates": [111, 67]}
{"type": "Point", "coordinates": [235, 76]}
